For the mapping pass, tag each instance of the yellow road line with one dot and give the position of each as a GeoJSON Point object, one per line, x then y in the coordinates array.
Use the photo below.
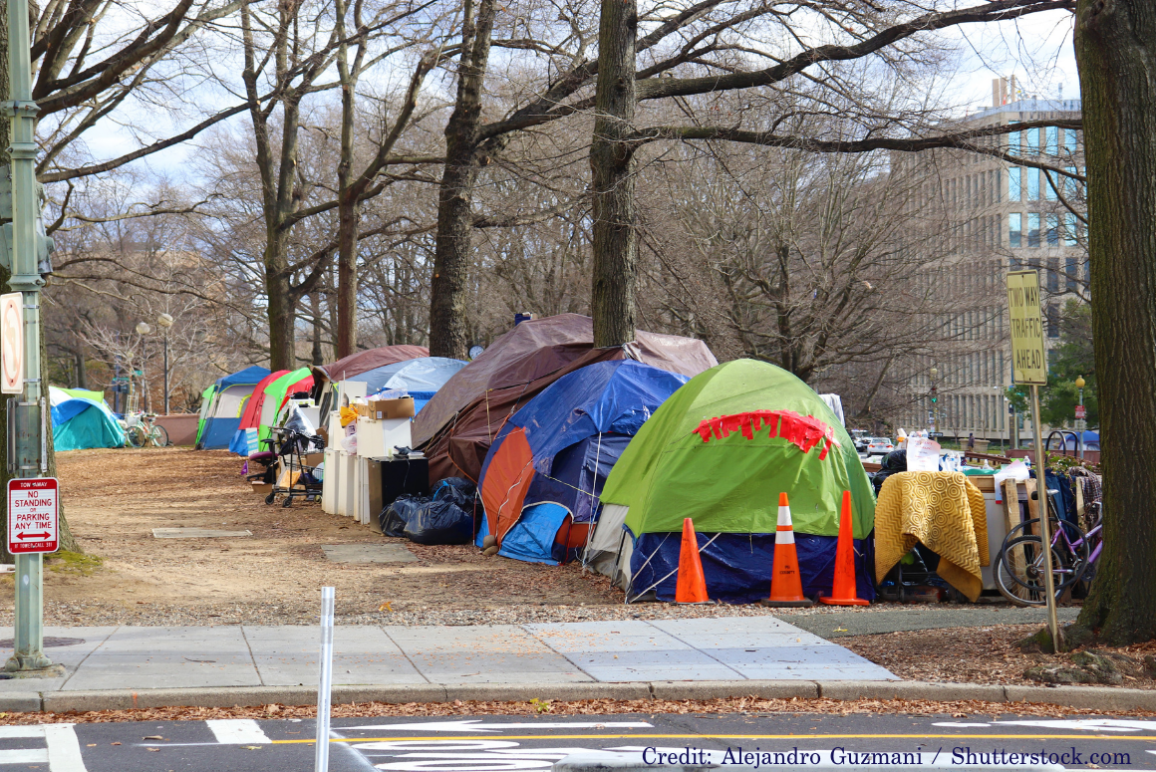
{"type": "Point", "coordinates": [1147, 738]}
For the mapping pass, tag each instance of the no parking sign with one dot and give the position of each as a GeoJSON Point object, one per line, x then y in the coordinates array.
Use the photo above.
{"type": "Point", "coordinates": [33, 515]}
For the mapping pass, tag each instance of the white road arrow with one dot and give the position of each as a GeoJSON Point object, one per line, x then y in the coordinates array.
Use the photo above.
{"type": "Point", "coordinates": [477, 726]}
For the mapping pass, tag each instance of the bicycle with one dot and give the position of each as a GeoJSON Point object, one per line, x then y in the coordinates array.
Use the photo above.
{"type": "Point", "coordinates": [1019, 570]}
{"type": "Point", "coordinates": [141, 431]}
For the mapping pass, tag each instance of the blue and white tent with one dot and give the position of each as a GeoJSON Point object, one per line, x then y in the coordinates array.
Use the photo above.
{"type": "Point", "coordinates": [80, 424]}
{"type": "Point", "coordinates": [543, 475]}
{"type": "Point", "coordinates": [224, 414]}
{"type": "Point", "coordinates": [420, 378]}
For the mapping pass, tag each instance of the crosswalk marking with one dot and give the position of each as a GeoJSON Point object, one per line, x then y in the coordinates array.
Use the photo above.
{"type": "Point", "coordinates": [31, 730]}
{"type": "Point", "coordinates": [24, 756]}
{"type": "Point", "coordinates": [237, 731]}
{"type": "Point", "coordinates": [63, 749]}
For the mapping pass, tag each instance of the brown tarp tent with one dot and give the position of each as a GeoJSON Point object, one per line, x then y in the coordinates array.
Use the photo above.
{"type": "Point", "coordinates": [456, 428]}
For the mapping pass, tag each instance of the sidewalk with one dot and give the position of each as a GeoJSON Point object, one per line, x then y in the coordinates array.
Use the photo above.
{"type": "Point", "coordinates": [722, 649]}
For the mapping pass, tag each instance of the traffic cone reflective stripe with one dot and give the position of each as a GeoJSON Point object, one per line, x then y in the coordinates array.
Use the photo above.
{"type": "Point", "coordinates": [691, 582]}
{"type": "Point", "coordinates": [786, 582]}
{"type": "Point", "coordinates": [843, 591]}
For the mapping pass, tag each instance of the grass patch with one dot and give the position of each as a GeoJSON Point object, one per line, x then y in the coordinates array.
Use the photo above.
{"type": "Point", "coordinates": [82, 564]}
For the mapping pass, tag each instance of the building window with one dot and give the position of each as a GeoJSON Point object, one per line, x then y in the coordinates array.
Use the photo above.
{"type": "Point", "coordinates": [1071, 185]}
{"type": "Point", "coordinates": [1070, 141]}
{"type": "Point", "coordinates": [1050, 185]}
{"type": "Point", "coordinates": [1053, 278]}
{"type": "Point", "coordinates": [1053, 140]}
{"type": "Point", "coordinates": [1033, 184]}
{"type": "Point", "coordinates": [1033, 142]}
{"type": "Point", "coordinates": [1053, 223]}
{"type": "Point", "coordinates": [1013, 183]}
{"type": "Point", "coordinates": [998, 185]}
{"type": "Point", "coordinates": [1070, 225]}
{"type": "Point", "coordinates": [1052, 312]}
{"type": "Point", "coordinates": [1014, 228]}
{"type": "Point", "coordinates": [1034, 229]}
{"type": "Point", "coordinates": [1013, 141]}
{"type": "Point", "coordinates": [1072, 272]}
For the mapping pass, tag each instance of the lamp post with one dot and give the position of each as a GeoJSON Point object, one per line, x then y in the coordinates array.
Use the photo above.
{"type": "Point", "coordinates": [143, 329]}
{"type": "Point", "coordinates": [934, 372]}
{"type": "Point", "coordinates": [1080, 421]}
{"type": "Point", "coordinates": [165, 321]}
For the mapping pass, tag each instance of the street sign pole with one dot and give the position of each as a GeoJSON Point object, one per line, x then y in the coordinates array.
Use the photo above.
{"type": "Point", "coordinates": [1030, 367]}
{"type": "Point", "coordinates": [26, 278]}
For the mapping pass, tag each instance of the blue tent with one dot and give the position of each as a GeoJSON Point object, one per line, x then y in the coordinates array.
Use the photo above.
{"type": "Point", "coordinates": [79, 424]}
{"type": "Point", "coordinates": [224, 415]}
{"type": "Point", "coordinates": [420, 378]}
{"type": "Point", "coordinates": [542, 477]}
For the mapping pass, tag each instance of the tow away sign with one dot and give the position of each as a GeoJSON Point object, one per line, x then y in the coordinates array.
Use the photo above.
{"type": "Point", "coordinates": [33, 515]}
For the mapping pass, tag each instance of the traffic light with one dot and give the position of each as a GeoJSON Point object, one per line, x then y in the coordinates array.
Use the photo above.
{"type": "Point", "coordinates": [934, 394]}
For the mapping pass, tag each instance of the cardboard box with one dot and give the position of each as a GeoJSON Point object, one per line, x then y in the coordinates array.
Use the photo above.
{"type": "Point", "coordinates": [382, 409]}
{"type": "Point", "coordinates": [262, 489]}
{"type": "Point", "coordinates": [313, 459]}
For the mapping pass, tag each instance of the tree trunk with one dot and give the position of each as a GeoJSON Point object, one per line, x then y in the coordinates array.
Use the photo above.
{"type": "Point", "coordinates": [347, 202]}
{"type": "Point", "coordinates": [1115, 44]}
{"type": "Point", "coordinates": [611, 166]}
{"type": "Point", "coordinates": [317, 356]}
{"type": "Point", "coordinates": [81, 367]}
{"type": "Point", "coordinates": [449, 289]}
{"type": "Point", "coordinates": [282, 310]}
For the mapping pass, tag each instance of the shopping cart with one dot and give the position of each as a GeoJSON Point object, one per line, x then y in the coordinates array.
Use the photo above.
{"type": "Point", "coordinates": [293, 478]}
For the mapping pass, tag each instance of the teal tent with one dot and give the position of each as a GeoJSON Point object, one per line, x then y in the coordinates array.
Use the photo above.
{"type": "Point", "coordinates": [79, 424]}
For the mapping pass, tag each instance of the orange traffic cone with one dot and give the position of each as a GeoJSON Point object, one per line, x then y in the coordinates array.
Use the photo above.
{"type": "Point", "coordinates": [691, 582]}
{"type": "Point", "coordinates": [843, 591]}
{"type": "Point", "coordinates": [786, 583]}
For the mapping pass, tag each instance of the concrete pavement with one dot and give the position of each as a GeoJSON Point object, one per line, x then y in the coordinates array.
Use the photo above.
{"type": "Point", "coordinates": [834, 624]}
{"type": "Point", "coordinates": [737, 649]}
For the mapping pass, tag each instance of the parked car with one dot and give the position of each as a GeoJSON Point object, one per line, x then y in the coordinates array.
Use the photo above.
{"type": "Point", "coordinates": [878, 446]}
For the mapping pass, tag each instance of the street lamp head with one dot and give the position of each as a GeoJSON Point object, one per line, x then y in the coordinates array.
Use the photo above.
{"type": "Point", "coordinates": [143, 328]}
{"type": "Point", "coordinates": [1080, 382]}
{"type": "Point", "coordinates": [165, 320]}
{"type": "Point", "coordinates": [934, 372]}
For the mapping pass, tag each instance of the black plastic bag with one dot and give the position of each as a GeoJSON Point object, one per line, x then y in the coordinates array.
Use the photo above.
{"type": "Point", "coordinates": [440, 522]}
{"type": "Point", "coordinates": [396, 516]}
{"type": "Point", "coordinates": [456, 490]}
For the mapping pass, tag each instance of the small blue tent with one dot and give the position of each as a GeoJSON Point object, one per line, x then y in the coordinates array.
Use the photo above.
{"type": "Point", "coordinates": [228, 401]}
{"type": "Point", "coordinates": [80, 424]}
{"type": "Point", "coordinates": [420, 378]}
{"type": "Point", "coordinates": [542, 477]}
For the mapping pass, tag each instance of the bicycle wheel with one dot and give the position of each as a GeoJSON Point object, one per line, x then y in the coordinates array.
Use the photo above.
{"type": "Point", "coordinates": [159, 436]}
{"type": "Point", "coordinates": [137, 437]}
{"type": "Point", "coordinates": [1020, 570]}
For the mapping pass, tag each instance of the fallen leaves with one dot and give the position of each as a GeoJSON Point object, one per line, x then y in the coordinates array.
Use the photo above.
{"type": "Point", "coordinates": [750, 706]}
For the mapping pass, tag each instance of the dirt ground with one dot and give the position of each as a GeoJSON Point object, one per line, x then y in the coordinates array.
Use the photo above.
{"type": "Point", "coordinates": [113, 499]}
{"type": "Point", "coordinates": [982, 655]}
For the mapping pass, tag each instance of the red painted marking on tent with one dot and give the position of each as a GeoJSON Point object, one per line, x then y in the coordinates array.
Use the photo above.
{"type": "Point", "coordinates": [826, 448]}
{"type": "Point", "coordinates": [805, 432]}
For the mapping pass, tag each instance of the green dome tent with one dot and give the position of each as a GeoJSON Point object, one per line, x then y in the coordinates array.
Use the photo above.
{"type": "Point", "coordinates": [720, 451]}
{"type": "Point", "coordinates": [203, 413]}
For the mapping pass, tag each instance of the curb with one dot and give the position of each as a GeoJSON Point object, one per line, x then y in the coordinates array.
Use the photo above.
{"type": "Point", "coordinates": [1087, 697]}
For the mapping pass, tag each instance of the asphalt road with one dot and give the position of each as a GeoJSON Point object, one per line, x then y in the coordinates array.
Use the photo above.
{"type": "Point", "coordinates": [514, 744]}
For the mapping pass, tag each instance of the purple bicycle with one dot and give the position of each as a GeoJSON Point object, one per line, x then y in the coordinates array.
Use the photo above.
{"type": "Point", "coordinates": [1020, 572]}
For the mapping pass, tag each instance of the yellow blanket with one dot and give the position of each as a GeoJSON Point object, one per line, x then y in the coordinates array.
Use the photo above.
{"type": "Point", "coordinates": [944, 511]}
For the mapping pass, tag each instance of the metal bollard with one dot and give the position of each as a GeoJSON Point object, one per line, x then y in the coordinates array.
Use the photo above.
{"type": "Point", "coordinates": [324, 688]}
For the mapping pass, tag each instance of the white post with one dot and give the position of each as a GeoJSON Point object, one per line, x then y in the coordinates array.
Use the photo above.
{"type": "Point", "coordinates": [321, 757]}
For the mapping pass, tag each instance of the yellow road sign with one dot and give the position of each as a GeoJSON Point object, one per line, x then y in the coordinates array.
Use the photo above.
{"type": "Point", "coordinates": [1029, 355]}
